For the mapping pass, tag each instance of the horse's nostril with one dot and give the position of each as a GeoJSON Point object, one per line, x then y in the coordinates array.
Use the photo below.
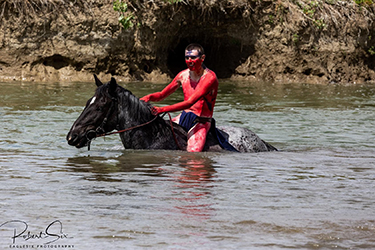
{"type": "Point", "coordinates": [71, 138]}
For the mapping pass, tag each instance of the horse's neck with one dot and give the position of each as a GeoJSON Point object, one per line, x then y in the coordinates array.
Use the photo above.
{"type": "Point", "coordinates": [132, 111]}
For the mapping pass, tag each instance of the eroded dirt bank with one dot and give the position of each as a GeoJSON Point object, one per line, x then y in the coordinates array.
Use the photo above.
{"type": "Point", "coordinates": [295, 41]}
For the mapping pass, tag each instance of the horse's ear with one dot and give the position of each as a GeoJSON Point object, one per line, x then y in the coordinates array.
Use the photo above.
{"type": "Point", "coordinates": [97, 81]}
{"type": "Point", "coordinates": [112, 87]}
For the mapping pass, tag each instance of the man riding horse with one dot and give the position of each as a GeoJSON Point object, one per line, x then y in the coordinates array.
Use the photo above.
{"type": "Point", "coordinates": [200, 86]}
{"type": "Point", "coordinates": [140, 127]}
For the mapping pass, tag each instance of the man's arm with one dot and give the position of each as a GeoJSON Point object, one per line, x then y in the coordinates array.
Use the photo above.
{"type": "Point", "coordinates": [158, 96]}
{"type": "Point", "coordinates": [201, 91]}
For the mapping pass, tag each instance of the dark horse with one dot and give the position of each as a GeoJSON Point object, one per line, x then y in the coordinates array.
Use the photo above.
{"type": "Point", "coordinates": [115, 108]}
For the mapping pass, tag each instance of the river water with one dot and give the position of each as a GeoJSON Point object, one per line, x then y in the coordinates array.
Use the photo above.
{"type": "Point", "coordinates": [317, 192]}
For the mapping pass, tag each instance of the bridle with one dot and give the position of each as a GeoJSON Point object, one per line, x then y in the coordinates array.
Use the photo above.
{"type": "Point", "coordinates": [100, 132]}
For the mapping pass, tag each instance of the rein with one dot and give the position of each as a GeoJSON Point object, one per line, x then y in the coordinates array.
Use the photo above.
{"type": "Point", "coordinates": [174, 135]}
{"type": "Point", "coordinates": [127, 129]}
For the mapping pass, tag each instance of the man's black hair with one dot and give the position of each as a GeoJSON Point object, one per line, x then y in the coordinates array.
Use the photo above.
{"type": "Point", "coordinates": [196, 46]}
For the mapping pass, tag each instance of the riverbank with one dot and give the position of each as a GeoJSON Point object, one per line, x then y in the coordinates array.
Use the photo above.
{"type": "Point", "coordinates": [280, 41]}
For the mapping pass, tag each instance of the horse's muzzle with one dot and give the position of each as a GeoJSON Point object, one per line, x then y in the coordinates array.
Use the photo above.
{"type": "Point", "coordinates": [76, 140]}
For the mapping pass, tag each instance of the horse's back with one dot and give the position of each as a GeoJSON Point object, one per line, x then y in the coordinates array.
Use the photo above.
{"type": "Point", "coordinates": [245, 140]}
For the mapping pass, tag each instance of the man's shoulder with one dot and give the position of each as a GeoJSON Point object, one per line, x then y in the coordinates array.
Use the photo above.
{"type": "Point", "coordinates": [210, 74]}
{"type": "Point", "coordinates": [183, 72]}
{"type": "Point", "coordinates": [182, 76]}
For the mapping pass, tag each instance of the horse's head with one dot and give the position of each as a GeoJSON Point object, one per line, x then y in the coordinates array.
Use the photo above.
{"type": "Point", "coordinates": [98, 117]}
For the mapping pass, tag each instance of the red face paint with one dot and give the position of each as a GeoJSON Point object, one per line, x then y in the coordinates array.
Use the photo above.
{"type": "Point", "coordinates": [193, 60]}
{"type": "Point", "coordinates": [194, 65]}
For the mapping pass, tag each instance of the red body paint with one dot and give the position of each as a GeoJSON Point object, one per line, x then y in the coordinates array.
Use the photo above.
{"type": "Point", "coordinates": [200, 88]}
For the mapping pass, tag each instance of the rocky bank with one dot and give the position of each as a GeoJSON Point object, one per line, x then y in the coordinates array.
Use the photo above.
{"type": "Point", "coordinates": [271, 40]}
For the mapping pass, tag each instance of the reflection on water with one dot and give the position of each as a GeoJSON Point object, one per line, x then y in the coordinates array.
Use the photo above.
{"type": "Point", "coordinates": [191, 174]}
{"type": "Point", "coordinates": [193, 181]}
{"type": "Point", "coordinates": [316, 193]}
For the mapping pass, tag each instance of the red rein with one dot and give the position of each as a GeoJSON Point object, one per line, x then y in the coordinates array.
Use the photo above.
{"type": "Point", "coordinates": [144, 124]}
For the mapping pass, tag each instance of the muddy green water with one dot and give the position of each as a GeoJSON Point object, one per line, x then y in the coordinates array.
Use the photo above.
{"type": "Point", "coordinates": [317, 192]}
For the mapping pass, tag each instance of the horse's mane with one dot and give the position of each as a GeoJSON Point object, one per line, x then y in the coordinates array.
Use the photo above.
{"type": "Point", "coordinates": [138, 109]}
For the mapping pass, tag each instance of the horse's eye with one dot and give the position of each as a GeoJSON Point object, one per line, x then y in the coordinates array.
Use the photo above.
{"type": "Point", "coordinates": [99, 108]}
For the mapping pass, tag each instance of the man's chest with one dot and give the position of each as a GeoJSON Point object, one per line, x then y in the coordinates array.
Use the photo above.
{"type": "Point", "coordinates": [189, 88]}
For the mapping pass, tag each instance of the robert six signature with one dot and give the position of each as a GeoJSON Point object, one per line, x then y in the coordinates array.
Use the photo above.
{"type": "Point", "coordinates": [19, 231]}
